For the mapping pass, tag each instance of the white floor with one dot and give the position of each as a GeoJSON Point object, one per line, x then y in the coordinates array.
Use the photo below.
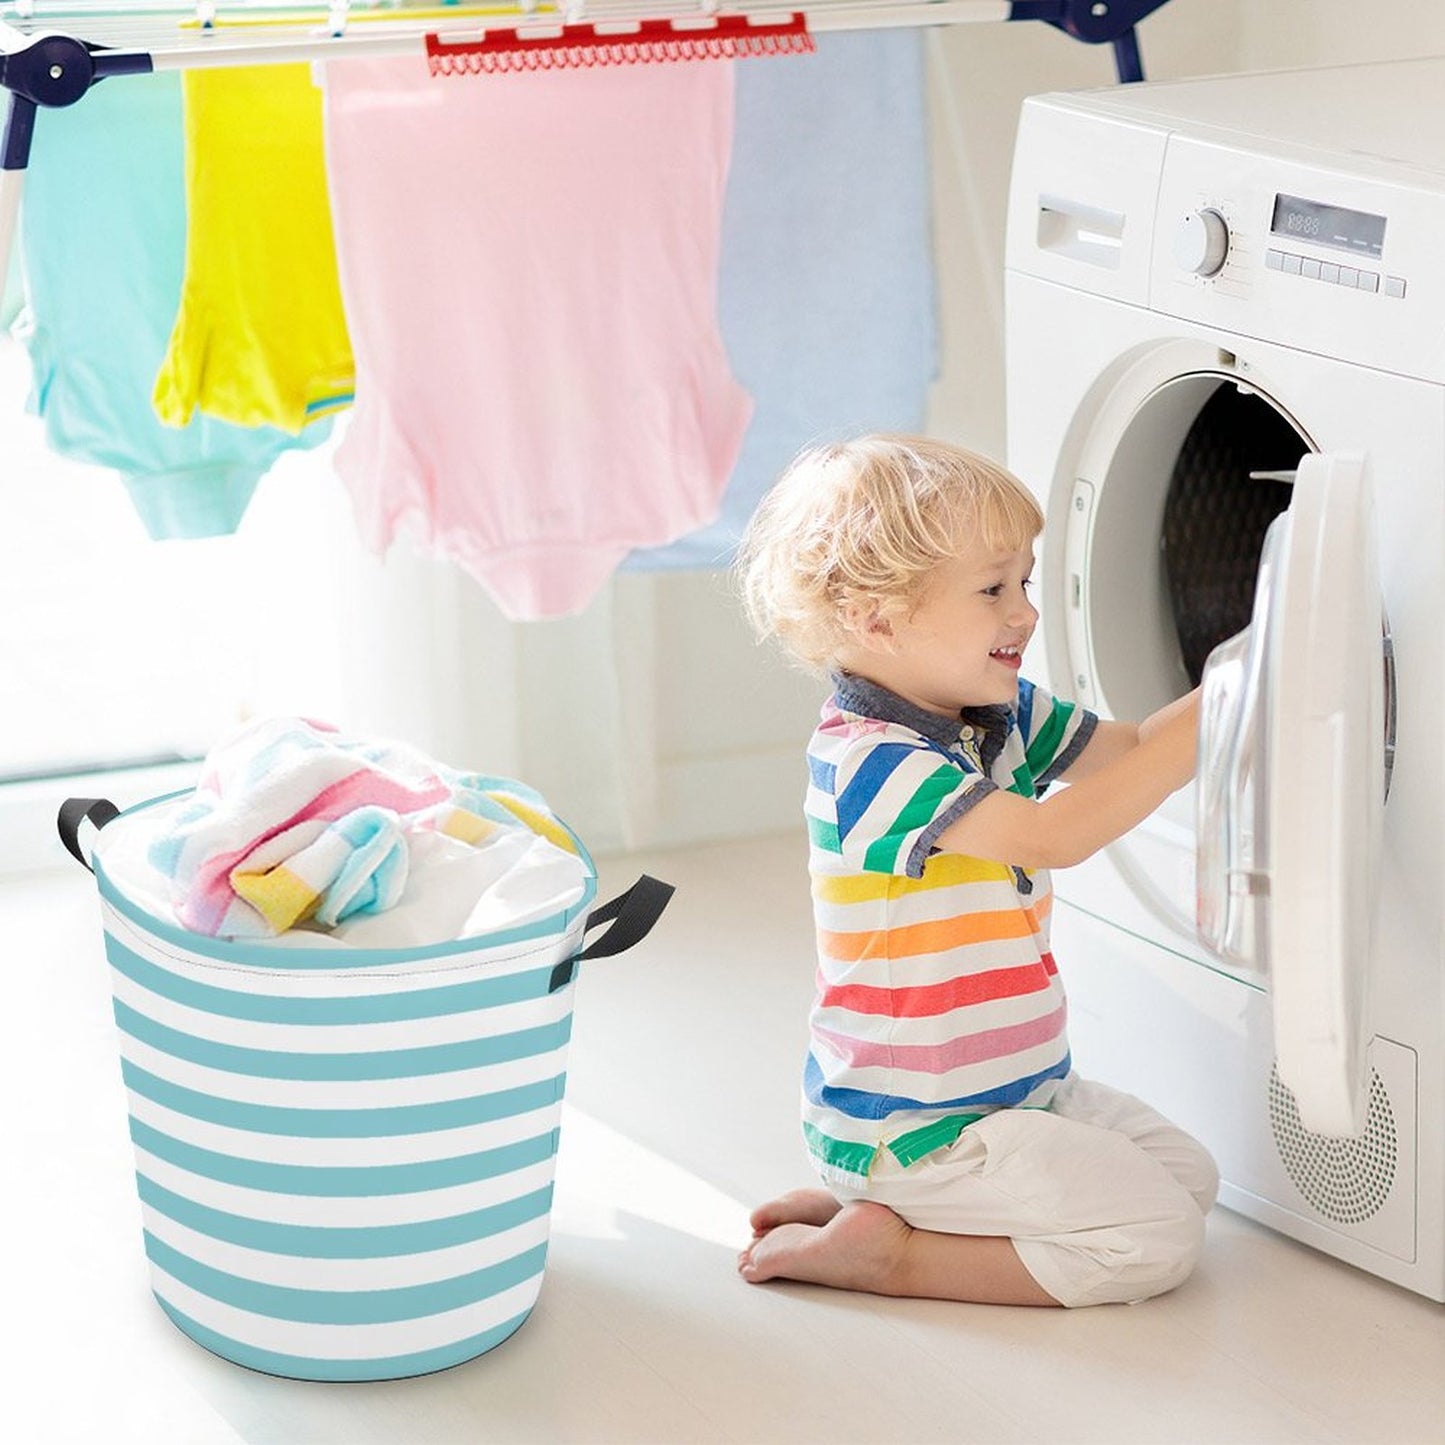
{"type": "Point", "coordinates": [681, 1092]}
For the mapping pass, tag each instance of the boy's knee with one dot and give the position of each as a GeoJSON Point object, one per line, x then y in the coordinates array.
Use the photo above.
{"type": "Point", "coordinates": [1181, 1249]}
{"type": "Point", "coordinates": [1161, 1254]}
{"type": "Point", "coordinates": [1171, 1247]}
{"type": "Point", "coordinates": [1203, 1181]}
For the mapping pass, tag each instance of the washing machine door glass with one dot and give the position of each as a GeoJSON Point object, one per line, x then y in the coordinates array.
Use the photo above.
{"type": "Point", "coordinates": [1291, 786]}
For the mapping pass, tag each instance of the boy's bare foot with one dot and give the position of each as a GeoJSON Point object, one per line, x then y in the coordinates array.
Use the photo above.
{"type": "Point", "coordinates": [797, 1206]}
{"type": "Point", "coordinates": [859, 1246]}
{"type": "Point", "coordinates": [807, 1235]}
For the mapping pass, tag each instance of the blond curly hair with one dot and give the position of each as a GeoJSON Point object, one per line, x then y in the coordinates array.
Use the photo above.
{"type": "Point", "coordinates": [855, 528]}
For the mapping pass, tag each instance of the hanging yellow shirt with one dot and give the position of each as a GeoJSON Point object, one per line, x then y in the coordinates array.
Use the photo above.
{"type": "Point", "coordinates": [260, 338]}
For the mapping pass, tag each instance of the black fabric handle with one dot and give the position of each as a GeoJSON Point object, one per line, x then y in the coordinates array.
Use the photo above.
{"type": "Point", "coordinates": [74, 812]}
{"type": "Point", "coordinates": [632, 915]}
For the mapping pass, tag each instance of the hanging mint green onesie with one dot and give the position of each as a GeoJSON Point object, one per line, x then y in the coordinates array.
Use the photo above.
{"type": "Point", "coordinates": [103, 235]}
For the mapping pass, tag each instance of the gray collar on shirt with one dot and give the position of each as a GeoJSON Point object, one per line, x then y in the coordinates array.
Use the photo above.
{"type": "Point", "coordinates": [868, 699]}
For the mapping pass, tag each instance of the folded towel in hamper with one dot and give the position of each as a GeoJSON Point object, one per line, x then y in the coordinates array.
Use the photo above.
{"type": "Point", "coordinates": [293, 822]}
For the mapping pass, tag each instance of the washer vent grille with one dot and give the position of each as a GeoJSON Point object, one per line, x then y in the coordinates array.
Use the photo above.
{"type": "Point", "coordinates": [1346, 1180]}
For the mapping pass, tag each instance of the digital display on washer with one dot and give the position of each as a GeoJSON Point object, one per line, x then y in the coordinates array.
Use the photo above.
{"type": "Point", "coordinates": [1355, 231]}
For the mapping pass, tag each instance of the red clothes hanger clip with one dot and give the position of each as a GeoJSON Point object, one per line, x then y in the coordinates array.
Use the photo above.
{"type": "Point", "coordinates": [729, 37]}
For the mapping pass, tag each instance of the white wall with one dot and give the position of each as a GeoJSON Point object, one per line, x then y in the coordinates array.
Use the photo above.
{"type": "Point", "coordinates": [654, 718]}
{"type": "Point", "coordinates": [1286, 34]}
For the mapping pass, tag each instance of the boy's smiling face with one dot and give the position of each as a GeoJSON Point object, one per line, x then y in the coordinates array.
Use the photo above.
{"type": "Point", "coordinates": [962, 644]}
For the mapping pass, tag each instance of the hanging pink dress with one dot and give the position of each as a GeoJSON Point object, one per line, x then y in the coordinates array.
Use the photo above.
{"type": "Point", "coordinates": [529, 268]}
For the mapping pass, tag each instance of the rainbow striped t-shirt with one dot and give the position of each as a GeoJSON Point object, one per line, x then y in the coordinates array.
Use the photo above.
{"type": "Point", "coordinates": [938, 1000]}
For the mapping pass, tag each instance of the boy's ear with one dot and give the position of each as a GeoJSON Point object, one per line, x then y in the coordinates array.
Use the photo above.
{"type": "Point", "coordinates": [868, 626]}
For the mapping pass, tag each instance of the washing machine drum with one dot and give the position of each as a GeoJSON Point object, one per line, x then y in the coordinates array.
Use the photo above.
{"type": "Point", "coordinates": [1228, 484]}
{"type": "Point", "coordinates": [1163, 538]}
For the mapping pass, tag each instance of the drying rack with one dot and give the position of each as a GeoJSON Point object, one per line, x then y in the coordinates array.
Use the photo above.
{"type": "Point", "coordinates": [51, 54]}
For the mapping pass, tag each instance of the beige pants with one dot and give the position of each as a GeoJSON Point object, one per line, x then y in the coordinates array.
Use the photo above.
{"type": "Point", "coordinates": [1103, 1197]}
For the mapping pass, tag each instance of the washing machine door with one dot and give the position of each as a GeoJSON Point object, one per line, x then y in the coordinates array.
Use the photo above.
{"type": "Point", "coordinates": [1291, 787]}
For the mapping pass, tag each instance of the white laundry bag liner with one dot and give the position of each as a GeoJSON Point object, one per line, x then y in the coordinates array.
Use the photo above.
{"type": "Point", "coordinates": [345, 1155]}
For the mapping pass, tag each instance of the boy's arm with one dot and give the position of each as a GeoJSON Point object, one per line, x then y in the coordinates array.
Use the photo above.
{"type": "Point", "coordinates": [1112, 740]}
{"type": "Point", "coordinates": [1188, 703]}
{"type": "Point", "coordinates": [1120, 788]}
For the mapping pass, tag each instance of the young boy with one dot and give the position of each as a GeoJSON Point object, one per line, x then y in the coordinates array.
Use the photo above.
{"type": "Point", "coordinates": [963, 1157]}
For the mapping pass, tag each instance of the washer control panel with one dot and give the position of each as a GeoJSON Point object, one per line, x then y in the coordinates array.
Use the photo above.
{"type": "Point", "coordinates": [1244, 240]}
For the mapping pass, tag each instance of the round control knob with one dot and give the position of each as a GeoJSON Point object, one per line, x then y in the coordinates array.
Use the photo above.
{"type": "Point", "coordinates": [1202, 242]}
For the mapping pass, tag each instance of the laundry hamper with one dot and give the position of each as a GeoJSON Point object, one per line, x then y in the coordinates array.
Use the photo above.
{"type": "Point", "coordinates": [345, 1156]}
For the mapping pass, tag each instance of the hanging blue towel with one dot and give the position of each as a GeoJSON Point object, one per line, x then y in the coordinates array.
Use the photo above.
{"type": "Point", "coordinates": [102, 238]}
{"type": "Point", "coordinates": [826, 286]}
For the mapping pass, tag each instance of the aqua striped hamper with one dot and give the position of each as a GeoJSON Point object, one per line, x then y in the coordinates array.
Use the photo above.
{"type": "Point", "coordinates": [345, 1156]}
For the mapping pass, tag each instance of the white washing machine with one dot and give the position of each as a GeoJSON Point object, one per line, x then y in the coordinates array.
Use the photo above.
{"type": "Point", "coordinates": [1226, 384]}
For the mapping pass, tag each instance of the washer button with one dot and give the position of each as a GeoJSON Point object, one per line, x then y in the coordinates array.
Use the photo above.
{"type": "Point", "coordinates": [1291, 264]}
{"type": "Point", "coordinates": [1310, 267]}
{"type": "Point", "coordinates": [1394, 285]}
{"type": "Point", "coordinates": [1330, 272]}
{"type": "Point", "coordinates": [1274, 260]}
{"type": "Point", "coordinates": [1369, 281]}
{"type": "Point", "coordinates": [1349, 276]}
